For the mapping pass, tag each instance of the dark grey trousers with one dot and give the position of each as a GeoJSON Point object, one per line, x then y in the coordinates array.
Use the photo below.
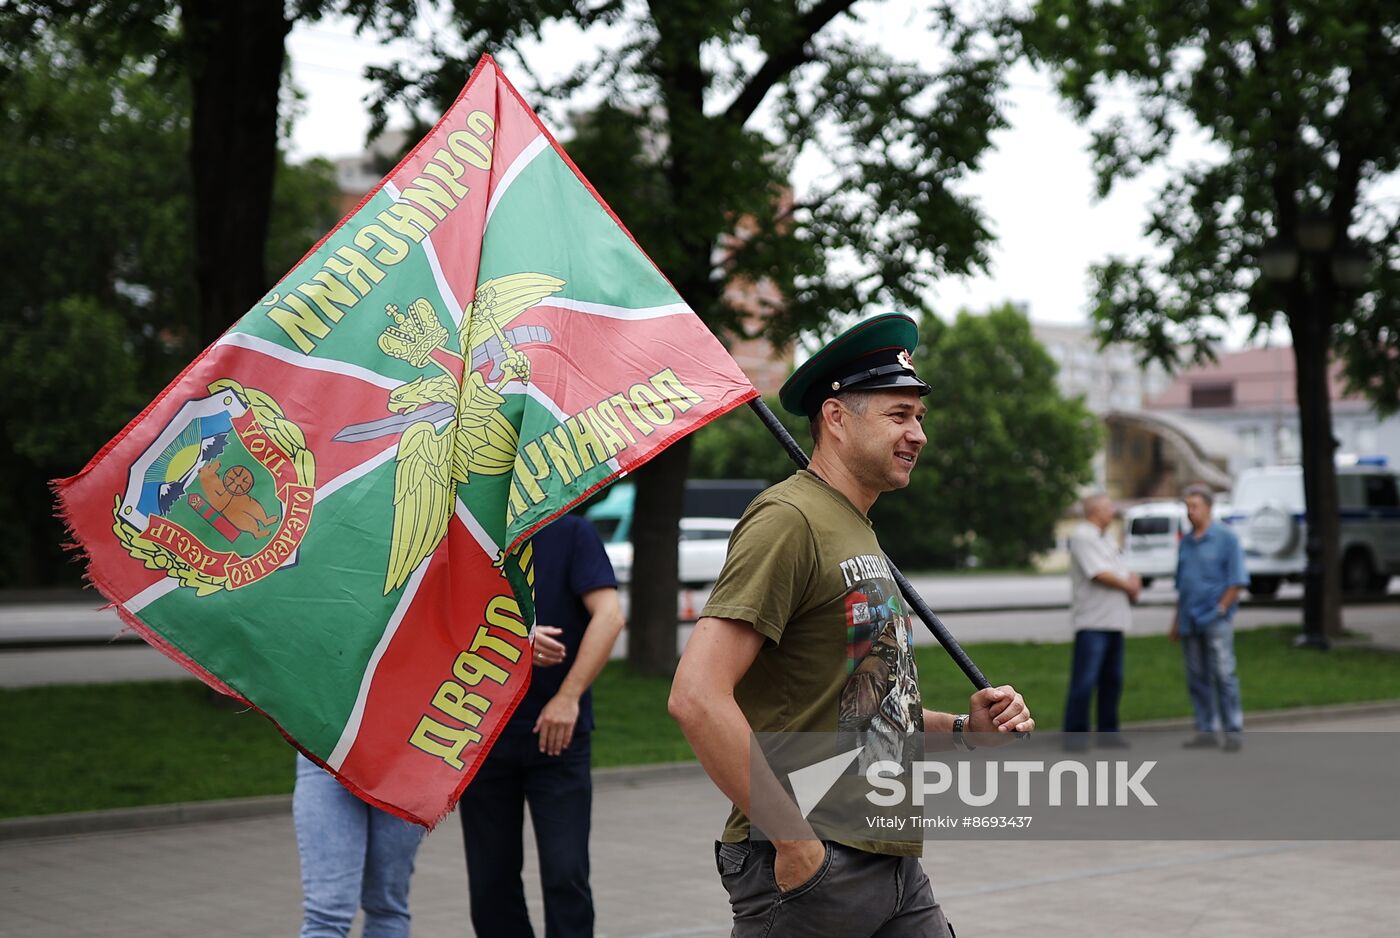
{"type": "Point", "coordinates": [853, 894]}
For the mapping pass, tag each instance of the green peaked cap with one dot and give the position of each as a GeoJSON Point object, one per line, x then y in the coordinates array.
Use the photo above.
{"type": "Point", "coordinates": [870, 355]}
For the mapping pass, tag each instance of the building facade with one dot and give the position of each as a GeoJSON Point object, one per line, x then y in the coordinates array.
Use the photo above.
{"type": "Point", "coordinates": [1250, 395]}
{"type": "Point", "coordinates": [1205, 424]}
{"type": "Point", "coordinates": [1108, 379]}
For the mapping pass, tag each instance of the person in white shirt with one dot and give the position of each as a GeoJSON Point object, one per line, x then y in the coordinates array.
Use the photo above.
{"type": "Point", "coordinates": [1102, 590]}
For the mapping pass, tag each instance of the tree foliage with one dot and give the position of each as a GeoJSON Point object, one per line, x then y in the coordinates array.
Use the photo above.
{"type": "Point", "coordinates": [96, 210]}
{"type": "Point", "coordinates": [1296, 98]}
{"type": "Point", "coordinates": [739, 446]}
{"type": "Point", "coordinates": [305, 205]}
{"type": "Point", "coordinates": [95, 292]}
{"type": "Point", "coordinates": [229, 59]}
{"type": "Point", "coordinates": [1006, 453]}
{"type": "Point", "coordinates": [100, 308]}
{"type": "Point", "coordinates": [706, 110]}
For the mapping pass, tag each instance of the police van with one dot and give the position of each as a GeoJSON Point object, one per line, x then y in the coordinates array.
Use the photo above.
{"type": "Point", "coordinates": [1267, 512]}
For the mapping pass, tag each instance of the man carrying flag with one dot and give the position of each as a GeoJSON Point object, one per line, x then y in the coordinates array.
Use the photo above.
{"type": "Point", "coordinates": [805, 632]}
{"type": "Point", "coordinates": [327, 514]}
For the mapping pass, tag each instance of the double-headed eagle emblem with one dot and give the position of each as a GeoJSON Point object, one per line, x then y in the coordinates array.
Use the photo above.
{"type": "Point", "coordinates": [451, 430]}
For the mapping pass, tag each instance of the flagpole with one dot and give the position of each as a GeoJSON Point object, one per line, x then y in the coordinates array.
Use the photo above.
{"type": "Point", "coordinates": [935, 624]}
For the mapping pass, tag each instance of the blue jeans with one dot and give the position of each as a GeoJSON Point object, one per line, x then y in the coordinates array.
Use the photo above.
{"type": "Point", "coordinates": [1097, 663]}
{"type": "Point", "coordinates": [352, 855]}
{"type": "Point", "coordinates": [559, 791]}
{"type": "Point", "coordinates": [1209, 653]}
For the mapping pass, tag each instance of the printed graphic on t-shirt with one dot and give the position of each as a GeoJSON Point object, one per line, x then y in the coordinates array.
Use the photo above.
{"type": "Point", "coordinates": [880, 701]}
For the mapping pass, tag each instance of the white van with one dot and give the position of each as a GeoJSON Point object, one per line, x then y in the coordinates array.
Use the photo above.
{"type": "Point", "coordinates": [711, 510]}
{"type": "Point", "coordinates": [1151, 533]}
{"type": "Point", "coordinates": [703, 546]}
{"type": "Point", "coordinates": [1268, 514]}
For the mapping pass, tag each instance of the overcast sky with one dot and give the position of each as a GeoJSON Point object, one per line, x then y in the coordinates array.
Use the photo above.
{"type": "Point", "coordinates": [1036, 188]}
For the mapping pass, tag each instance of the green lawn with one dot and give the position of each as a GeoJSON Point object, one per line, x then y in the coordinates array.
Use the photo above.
{"type": "Point", "coordinates": [74, 748]}
{"type": "Point", "coordinates": [1273, 675]}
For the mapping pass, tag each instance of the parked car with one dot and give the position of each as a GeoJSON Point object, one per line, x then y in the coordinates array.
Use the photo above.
{"type": "Point", "coordinates": [611, 514]}
{"type": "Point", "coordinates": [1269, 514]}
{"type": "Point", "coordinates": [1151, 534]}
{"type": "Point", "coordinates": [703, 545]}
{"type": "Point", "coordinates": [712, 507]}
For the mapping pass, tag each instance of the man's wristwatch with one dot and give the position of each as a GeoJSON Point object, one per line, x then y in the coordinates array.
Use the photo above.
{"type": "Point", "coordinates": [959, 740]}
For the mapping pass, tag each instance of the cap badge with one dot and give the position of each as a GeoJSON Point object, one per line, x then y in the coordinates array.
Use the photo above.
{"type": "Point", "coordinates": [905, 360]}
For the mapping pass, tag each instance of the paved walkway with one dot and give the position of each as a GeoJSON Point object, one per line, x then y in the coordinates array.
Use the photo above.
{"type": "Point", "coordinates": [654, 878]}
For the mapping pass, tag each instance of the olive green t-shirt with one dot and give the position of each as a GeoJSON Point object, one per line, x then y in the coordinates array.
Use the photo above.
{"type": "Point", "coordinates": [805, 570]}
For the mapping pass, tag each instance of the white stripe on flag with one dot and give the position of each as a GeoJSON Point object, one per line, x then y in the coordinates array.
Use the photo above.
{"type": "Point", "coordinates": [533, 149]}
{"type": "Point", "coordinates": [534, 392]}
{"type": "Point", "coordinates": [478, 533]}
{"type": "Point", "coordinates": [352, 725]}
{"type": "Point", "coordinates": [326, 489]}
{"type": "Point", "coordinates": [297, 359]}
{"type": "Point", "coordinates": [150, 594]}
{"type": "Point", "coordinates": [616, 312]}
{"type": "Point", "coordinates": [454, 306]}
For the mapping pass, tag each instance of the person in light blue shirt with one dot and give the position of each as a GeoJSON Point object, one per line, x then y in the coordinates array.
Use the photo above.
{"type": "Point", "coordinates": [1209, 575]}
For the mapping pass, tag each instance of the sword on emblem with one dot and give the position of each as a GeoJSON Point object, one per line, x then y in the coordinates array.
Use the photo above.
{"type": "Point", "coordinates": [395, 423]}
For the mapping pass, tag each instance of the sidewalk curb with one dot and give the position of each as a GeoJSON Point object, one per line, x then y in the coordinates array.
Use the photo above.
{"type": "Point", "coordinates": [620, 777]}
{"type": "Point", "coordinates": [1266, 718]}
{"type": "Point", "coordinates": [142, 818]}
{"type": "Point", "coordinates": [640, 776]}
{"type": "Point", "coordinates": [121, 636]}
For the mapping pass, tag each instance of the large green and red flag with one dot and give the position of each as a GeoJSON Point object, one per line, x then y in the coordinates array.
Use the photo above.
{"type": "Point", "coordinates": [326, 515]}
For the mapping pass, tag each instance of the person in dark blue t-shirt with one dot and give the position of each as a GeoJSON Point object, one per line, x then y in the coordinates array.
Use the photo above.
{"type": "Point", "coordinates": [542, 757]}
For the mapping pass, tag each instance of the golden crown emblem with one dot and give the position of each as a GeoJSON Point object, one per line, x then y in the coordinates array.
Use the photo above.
{"type": "Point", "coordinates": [414, 334]}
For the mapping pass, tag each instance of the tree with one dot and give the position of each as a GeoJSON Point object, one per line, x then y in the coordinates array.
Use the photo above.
{"type": "Point", "coordinates": [305, 205]}
{"type": "Point", "coordinates": [739, 446]}
{"type": "Point", "coordinates": [1296, 98]}
{"type": "Point", "coordinates": [95, 237]}
{"type": "Point", "coordinates": [99, 287]}
{"type": "Point", "coordinates": [232, 57]}
{"type": "Point", "coordinates": [707, 109]}
{"type": "Point", "coordinates": [1006, 452]}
